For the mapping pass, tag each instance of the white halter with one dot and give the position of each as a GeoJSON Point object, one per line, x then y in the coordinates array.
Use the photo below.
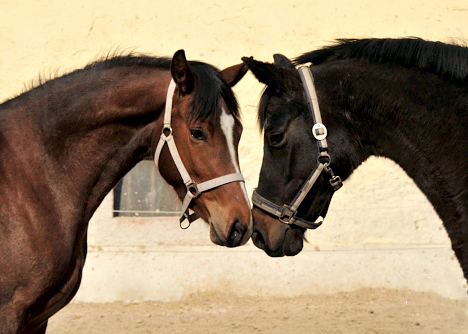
{"type": "Point", "coordinates": [193, 189]}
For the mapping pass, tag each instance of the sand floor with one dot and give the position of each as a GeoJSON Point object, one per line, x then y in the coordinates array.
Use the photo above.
{"type": "Point", "coordinates": [363, 311]}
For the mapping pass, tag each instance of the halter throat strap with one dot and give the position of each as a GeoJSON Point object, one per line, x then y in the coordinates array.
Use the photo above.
{"type": "Point", "coordinates": [287, 213]}
{"type": "Point", "coordinates": [194, 189]}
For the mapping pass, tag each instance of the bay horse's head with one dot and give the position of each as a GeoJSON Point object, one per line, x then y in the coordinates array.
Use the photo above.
{"type": "Point", "coordinates": [289, 158]}
{"type": "Point", "coordinates": [203, 165]}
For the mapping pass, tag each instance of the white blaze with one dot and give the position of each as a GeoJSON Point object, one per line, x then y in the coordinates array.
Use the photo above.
{"type": "Point", "coordinates": [227, 125]}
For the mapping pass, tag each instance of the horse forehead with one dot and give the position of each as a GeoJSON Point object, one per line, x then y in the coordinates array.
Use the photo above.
{"type": "Point", "coordinates": [226, 118]}
{"type": "Point", "coordinates": [280, 108]}
{"type": "Point", "coordinates": [282, 98]}
{"type": "Point", "coordinates": [227, 122]}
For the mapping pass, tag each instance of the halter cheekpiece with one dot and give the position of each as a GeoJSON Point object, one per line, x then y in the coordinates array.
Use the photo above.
{"type": "Point", "coordinates": [287, 213]}
{"type": "Point", "coordinates": [194, 189]}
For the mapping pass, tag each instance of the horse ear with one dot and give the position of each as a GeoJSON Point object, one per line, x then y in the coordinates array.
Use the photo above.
{"type": "Point", "coordinates": [282, 61]}
{"type": "Point", "coordinates": [233, 74]}
{"type": "Point", "coordinates": [182, 73]}
{"type": "Point", "coordinates": [266, 73]}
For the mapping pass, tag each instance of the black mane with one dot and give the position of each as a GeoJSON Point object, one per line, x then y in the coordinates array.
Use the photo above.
{"type": "Point", "coordinates": [447, 60]}
{"type": "Point", "coordinates": [210, 87]}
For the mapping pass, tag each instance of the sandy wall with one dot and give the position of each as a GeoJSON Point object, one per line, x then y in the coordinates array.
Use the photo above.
{"type": "Point", "coordinates": [380, 230]}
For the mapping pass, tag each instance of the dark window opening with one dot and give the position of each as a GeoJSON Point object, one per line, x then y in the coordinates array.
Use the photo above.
{"type": "Point", "coordinates": [144, 193]}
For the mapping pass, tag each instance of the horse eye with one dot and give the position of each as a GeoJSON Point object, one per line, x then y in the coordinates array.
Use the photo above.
{"type": "Point", "coordinates": [276, 138]}
{"type": "Point", "coordinates": [198, 134]}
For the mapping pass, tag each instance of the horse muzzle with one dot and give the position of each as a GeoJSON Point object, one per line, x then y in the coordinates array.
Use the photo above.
{"type": "Point", "coordinates": [275, 238]}
{"type": "Point", "coordinates": [238, 235]}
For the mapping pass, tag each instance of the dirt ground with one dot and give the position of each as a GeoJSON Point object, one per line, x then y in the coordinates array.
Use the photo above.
{"type": "Point", "coordinates": [364, 311]}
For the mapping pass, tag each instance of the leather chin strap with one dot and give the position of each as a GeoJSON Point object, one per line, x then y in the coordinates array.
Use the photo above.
{"type": "Point", "coordinates": [193, 189]}
{"type": "Point", "coordinates": [287, 213]}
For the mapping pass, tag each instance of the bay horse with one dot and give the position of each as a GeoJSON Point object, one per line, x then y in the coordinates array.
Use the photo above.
{"type": "Point", "coordinates": [67, 142]}
{"type": "Point", "coordinates": [404, 99]}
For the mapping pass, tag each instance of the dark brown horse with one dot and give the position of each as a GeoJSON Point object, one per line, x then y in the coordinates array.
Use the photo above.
{"type": "Point", "coordinates": [66, 143]}
{"type": "Point", "coordinates": [404, 99]}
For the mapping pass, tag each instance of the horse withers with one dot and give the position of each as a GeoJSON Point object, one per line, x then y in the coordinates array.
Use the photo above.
{"type": "Point", "coordinates": [67, 142]}
{"type": "Point", "coordinates": [404, 99]}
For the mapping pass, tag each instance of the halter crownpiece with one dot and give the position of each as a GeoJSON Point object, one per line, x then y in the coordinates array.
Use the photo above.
{"type": "Point", "coordinates": [194, 189]}
{"type": "Point", "coordinates": [287, 213]}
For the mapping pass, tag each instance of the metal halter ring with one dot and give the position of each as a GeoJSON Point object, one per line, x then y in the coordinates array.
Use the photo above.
{"type": "Point", "coordinates": [324, 159]}
{"type": "Point", "coordinates": [192, 188]}
{"type": "Point", "coordinates": [167, 129]}
{"type": "Point", "coordinates": [186, 225]}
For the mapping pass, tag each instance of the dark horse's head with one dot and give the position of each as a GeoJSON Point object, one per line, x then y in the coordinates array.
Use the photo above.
{"type": "Point", "coordinates": [290, 154]}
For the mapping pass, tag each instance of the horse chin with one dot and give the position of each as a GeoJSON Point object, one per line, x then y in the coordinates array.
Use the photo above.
{"type": "Point", "coordinates": [292, 244]}
{"type": "Point", "coordinates": [214, 236]}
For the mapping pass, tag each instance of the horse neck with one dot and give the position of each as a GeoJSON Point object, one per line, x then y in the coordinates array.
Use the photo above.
{"type": "Point", "coordinates": [83, 133]}
{"type": "Point", "coordinates": [414, 118]}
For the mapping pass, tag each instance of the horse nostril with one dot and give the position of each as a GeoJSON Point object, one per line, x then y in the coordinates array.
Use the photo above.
{"type": "Point", "coordinates": [236, 234]}
{"type": "Point", "coordinates": [258, 240]}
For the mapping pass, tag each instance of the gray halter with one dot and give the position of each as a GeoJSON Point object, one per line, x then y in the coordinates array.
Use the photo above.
{"type": "Point", "coordinates": [193, 189]}
{"type": "Point", "coordinates": [287, 213]}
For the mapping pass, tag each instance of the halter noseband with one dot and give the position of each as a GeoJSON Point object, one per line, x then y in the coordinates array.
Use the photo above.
{"type": "Point", "coordinates": [287, 213]}
{"type": "Point", "coordinates": [194, 189]}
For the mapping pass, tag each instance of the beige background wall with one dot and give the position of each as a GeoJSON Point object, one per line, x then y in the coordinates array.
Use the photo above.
{"type": "Point", "coordinates": [380, 230]}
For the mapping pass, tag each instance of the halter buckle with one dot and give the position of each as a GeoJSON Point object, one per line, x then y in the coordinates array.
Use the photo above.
{"type": "Point", "coordinates": [192, 188]}
{"type": "Point", "coordinates": [286, 214]}
{"type": "Point", "coordinates": [319, 131]}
